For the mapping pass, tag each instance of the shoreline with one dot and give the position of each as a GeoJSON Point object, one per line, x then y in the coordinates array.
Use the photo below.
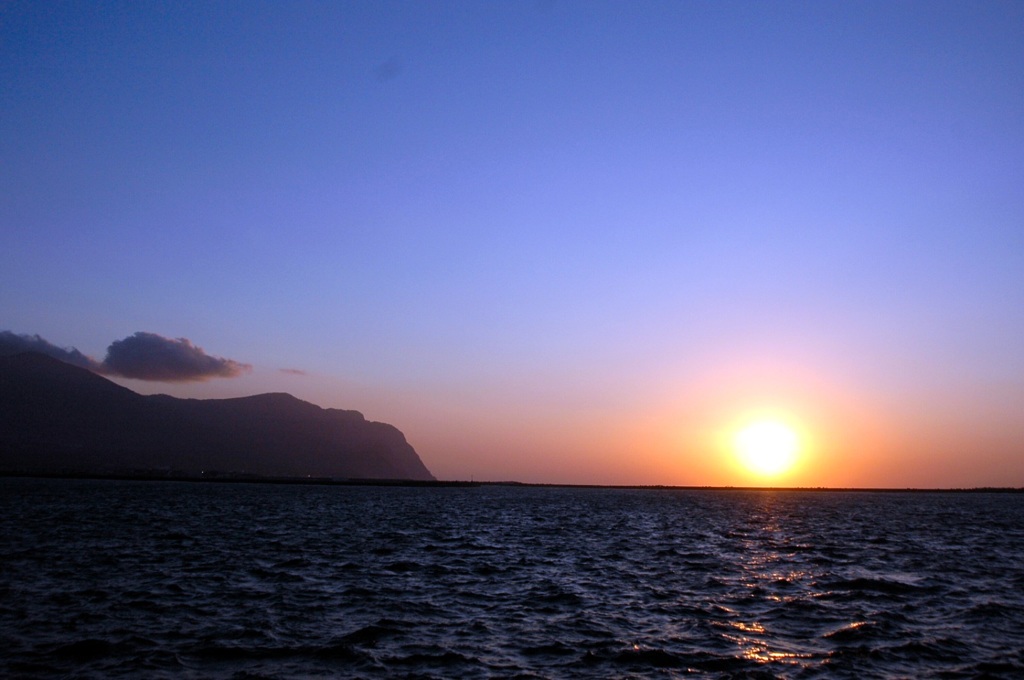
{"type": "Point", "coordinates": [227, 478]}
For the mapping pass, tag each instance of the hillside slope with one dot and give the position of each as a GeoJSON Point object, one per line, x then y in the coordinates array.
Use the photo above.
{"type": "Point", "coordinates": [55, 417]}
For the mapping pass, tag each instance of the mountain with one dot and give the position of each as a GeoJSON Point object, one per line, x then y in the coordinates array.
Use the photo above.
{"type": "Point", "coordinates": [55, 417]}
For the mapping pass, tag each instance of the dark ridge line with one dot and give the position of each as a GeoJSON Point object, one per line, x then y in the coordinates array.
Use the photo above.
{"type": "Point", "coordinates": [221, 478]}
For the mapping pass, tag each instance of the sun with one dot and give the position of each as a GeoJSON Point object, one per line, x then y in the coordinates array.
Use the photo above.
{"type": "Point", "coordinates": [767, 447]}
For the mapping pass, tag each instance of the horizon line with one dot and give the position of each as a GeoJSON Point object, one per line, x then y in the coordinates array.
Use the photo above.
{"type": "Point", "coordinates": [229, 478]}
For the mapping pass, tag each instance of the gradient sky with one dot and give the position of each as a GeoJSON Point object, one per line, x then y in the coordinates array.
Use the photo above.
{"type": "Point", "coordinates": [550, 241]}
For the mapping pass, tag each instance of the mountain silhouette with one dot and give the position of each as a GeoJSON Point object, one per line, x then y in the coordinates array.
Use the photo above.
{"type": "Point", "coordinates": [59, 418]}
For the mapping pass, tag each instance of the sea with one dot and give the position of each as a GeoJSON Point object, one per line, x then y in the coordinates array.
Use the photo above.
{"type": "Point", "coordinates": [147, 579]}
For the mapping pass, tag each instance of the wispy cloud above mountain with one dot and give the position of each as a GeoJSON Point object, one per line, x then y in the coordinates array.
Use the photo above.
{"type": "Point", "coordinates": [142, 356]}
{"type": "Point", "coordinates": [13, 343]}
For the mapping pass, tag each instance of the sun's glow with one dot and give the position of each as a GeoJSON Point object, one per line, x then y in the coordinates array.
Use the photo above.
{"type": "Point", "coordinates": [767, 447]}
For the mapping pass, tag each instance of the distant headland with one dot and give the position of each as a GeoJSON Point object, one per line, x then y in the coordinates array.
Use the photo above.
{"type": "Point", "coordinates": [59, 419]}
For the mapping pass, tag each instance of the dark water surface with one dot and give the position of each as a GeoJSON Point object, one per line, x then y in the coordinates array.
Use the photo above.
{"type": "Point", "coordinates": [152, 579]}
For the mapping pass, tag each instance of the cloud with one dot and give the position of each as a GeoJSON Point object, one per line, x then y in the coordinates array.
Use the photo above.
{"type": "Point", "coordinates": [143, 356]}
{"type": "Point", "coordinates": [13, 343]}
{"type": "Point", "coordinates": [293, 371]}
{"type": "Point", "coordinates": [148, 356]}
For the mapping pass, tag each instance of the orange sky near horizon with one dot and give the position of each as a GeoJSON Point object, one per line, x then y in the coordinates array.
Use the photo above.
{"type": "Point", "coordinates": [682, 438]}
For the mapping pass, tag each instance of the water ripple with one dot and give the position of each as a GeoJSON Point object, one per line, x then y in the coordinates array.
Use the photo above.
{"type": "Point", "coordinates": [120, 579]}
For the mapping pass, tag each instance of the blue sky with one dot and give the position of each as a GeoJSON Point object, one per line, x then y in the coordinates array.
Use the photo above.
{"type": "Point", "coordinates": [544, 239]}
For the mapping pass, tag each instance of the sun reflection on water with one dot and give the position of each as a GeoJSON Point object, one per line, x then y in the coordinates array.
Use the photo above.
{"type": "Point", "coordinates": [773, 576]}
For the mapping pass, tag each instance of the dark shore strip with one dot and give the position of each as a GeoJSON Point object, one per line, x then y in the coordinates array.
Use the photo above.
{"type": "Point", "coordinates": [228, 478]}
{"type": "Point", "coordinates": [237, 478]}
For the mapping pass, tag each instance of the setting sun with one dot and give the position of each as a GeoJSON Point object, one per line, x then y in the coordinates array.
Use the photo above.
{"type": "Point", "coordinates": [767, 448]}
